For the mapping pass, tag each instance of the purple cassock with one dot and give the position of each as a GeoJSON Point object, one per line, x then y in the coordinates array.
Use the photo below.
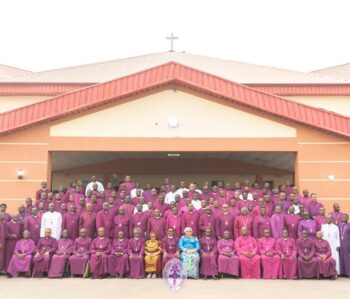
{"type": "Point", "coordinates": [326, 267]}
{"type": "Point", "coordinates": [169, 249]}
{"type": "Point", "coordinates": [12, 234]}
{"type": "Point", "coordinates": [100, 249]}
{"type": "Point", "coordinates": [118, 260]}
{"type": "Point", "coordinates": [271, 265]}
{"type": "Point", "coordinates": [243, 221]}
{"type": "Point", "coordinates": [156, 225]}
{"type": "Point", "coordinates": [261, 223]}
{"type": "Point", "coordinates": [33, 224]}
{"type": "Point", "coordinates": [60, 258]}
{"type": "Point", "coordinates": [128, 209]}
{"type": "Point", "coordinates": [344, 254]}
{"type": "Point", "coordinates": [191, 219]}
{"type": "Point", "coordinates": [87, 220]}
{"type": "Point", "coordinates": [6, 218]}
{"type": "Point", "coordinates": [22, 257]}
{"type": "Point", "coordinates": [277, 225]}
{"type": "Point", "coordinates": [224, 221]}
{"type": "Point", "coordinates": [139, 220]}
{"type": "Point", "coordinates": [314, 208]}
{"type": "Point", "coordinates": [136, 250]}
{"type": "Point", "coordinates": [228, 262]}
{"type": "Point", "coordinates": [44, 250]}
{"type": "Point", "coordinates": [288, 250]}
{"type": "Point", "coordinates": [81, 255]}
{"type": "Point", "coordinates": [121, 223]}
{"type": "Point", "coordinates": [337, 216]}
{"type": "Point", "coordinates": [309, 225]}
{"type": "Point", "coordinates": [291, 222]}
{"type": "Point", "coordinates": [250, 266]}
{"type": "Point", "coordinates": [105, 219]}
{"type": "Point", "coordinates": [320, 220]}
{"type": "Point", "coordinates": [70, 222]}
{"type": "Point", "coordinates": [162, 207]}
{"type": "Point", "coordinates": [2, 246]}
{"type": "Point", "coordinates": [306, 249]}
{"type": "Point", "coordinates": [208, 253]}
{"type": "Point", "coordinates": [206, 221]}
{"type": "Point", "coordinates": [28, 210]}
{"type": "Point", "coordinates": [174, 221]}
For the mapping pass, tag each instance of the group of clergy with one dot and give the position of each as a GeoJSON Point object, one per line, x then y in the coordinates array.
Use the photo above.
{"type": "Point", "coordinates": [248, 231]}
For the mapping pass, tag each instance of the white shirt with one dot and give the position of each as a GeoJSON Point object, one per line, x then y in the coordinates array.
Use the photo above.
{"type": "Point", "coordinates": [144, 208]}
{"type": "Point", "coordinates": [180, 191]}
{"type": "Point", "coordinates": [52, 220]}
{"type": "Point", "coordinates": [196, 204]}
{"type": "Point", "coordinates": [296, 209]}
{"type": "Point", "coordinates": [90, 187]}
{"type": "Point", "coordinates": [249, 197]}
{"type": "Point", "coordinates": [133, 192]}
{"type": "Point", "coordinates": [170, 197]}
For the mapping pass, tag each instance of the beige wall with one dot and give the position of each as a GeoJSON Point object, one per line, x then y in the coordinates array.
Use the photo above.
{"type": "Point", "coordinates": [336, 104]}
{"type": "Point", "coordinates": [12, 102]}
{"type": "Point", "coordinates": [148, 116]}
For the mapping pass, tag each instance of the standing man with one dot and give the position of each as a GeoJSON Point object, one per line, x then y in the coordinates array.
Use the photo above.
{"type": "Point", "coordinates": [89, 186]}
{"type": "Point", "coordinates": [330, 233]}
{"type": "Point", "coordinates": [344, 246]}
{"type": "Point", "coordinates": [53, 221]}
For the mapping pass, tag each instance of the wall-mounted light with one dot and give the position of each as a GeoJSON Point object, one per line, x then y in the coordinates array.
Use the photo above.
{"type": "Point", "coordinates": [173, 122]}
{"type": "Point", "coordinates": [20, 174]}
{"type": "Point", "coordinates": [331, 177]}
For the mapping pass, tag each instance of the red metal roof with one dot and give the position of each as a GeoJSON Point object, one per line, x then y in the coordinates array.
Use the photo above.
{"type": "Point", "coordinates": [54, 89]}
{"type": "Point", "coordinates": [164, 75]}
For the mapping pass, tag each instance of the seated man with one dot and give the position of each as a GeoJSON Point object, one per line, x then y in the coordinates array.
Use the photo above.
{"type": "Point", "coordinates": [170, 247]}
{"type": "Point", "coordinates": [81, 254]}
{"type": "Point", "coordinates": [118, 261]}
{"type": "Point", "coordinates": [59, 259]}
{"type": "Point", "coordinates": [22, 256]}
{"type": "Point", "coordinates": [208, 252]}
{"type": "Point", "coordinates": [228, 261]}
{"type": "Point", "coordinates": [100, 249]}
{"type": "Point", "coordinates": [247, 250]}
{"type": "Point", "coordinates": [326, 264]}
{"type": "Point", "coordinates": [307, 263]}
{"type": "Point", "coordinates": [288, 250]}
{"type": "Point", "coordinates": [46, 247]}
{"type": "Point", "coordinates": [136, 250]}
{"type": "Point", "coordinates": [270, 259]}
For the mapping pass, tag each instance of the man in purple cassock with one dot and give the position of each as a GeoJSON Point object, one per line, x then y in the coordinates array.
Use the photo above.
{"type": "Point", "coordinates": [87, 221]}
{"type": "Point", "coordinates": [270, 258]}
{"type": "Point", "coordinates": [138, 220]}
{"type": "Point", "coordinates": [22, 256]}
{"type": "Point", "coordinates": [81, 254]}
{"type": "Point", "coordinates": [336, 214]}
{"type": "Point", "coordinates": [156, 224]}
{"type": "Point", "coordinates": [12, 234]}
{"type": "Point", "coordinates": [314, 206]}
{"type": "Point", "coordinates": [136, 250]}
{"type": "Point", "coordinates": [100, 249]}
{"type": "Point", "coordinates": [288, 251]}
{"type": "Point", "coordinates": [261, 222]}
{"type": "Point", "coordinates": [308, 224]}
{"type": "Point", "coordinates": [46, 247]}
{"type": "Point", "coordinates": [170, 247]}
{"type": "Point", "coordinates": [208, 219]}
{"type": "Point", "coordinates": [60, 258]}
{"type": "Point", "coordinates": [29, 207]}
{"type": "Point", "coordinates": [208, 254]}
{"type": "Point", "coordinates": [190, 218]}
{"type": "Point", "coordinates": [118, 260]}
{"type": "Point", "coordinates": [121, 223]}
{"type": "Point", "coordinates": [344, 253]}
{"type": "Point", "coordinates": [2, 246]}
{"type": "Point", "coordinates": [277, 223]}
{"type": "Point", "coordinates": [224, 221]}
{"type": "Point", "coordinates": [174, 220]}
{"type": "Point", "coordinates": [228, 261]}
{"type": "Point", "coordinates": [320, 219]}
{"type": "Point", "coordinates": [104, 219]}
{"type": "Point", "coordinates": [32, 223]}
{"type": "Point", "coordinates": [323, 253]}
{"type": "Point", "coordinates": [243, 220]}
{"type": "Point", "coordinates": [70, 222]}
{"type": "Point", "coordinates": [307, 263]}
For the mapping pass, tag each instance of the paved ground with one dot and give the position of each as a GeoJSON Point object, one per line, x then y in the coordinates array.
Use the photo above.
{"type": "Point", "coordinates": [153, 289]}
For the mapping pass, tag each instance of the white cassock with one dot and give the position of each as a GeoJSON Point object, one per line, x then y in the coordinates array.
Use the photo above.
{"type": "Point", "coordinates": [196, 204]}
{"type": "Point", "coordinates": [170, 197]}
{"type": "Point", "coordinates": [52, 220]}
{"type": "Point", "coordinates": [331, 234]}
{"type": "Point", "coordinates": [180, 191]}
{"type": "Point", "coordinates": [89, 186]}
